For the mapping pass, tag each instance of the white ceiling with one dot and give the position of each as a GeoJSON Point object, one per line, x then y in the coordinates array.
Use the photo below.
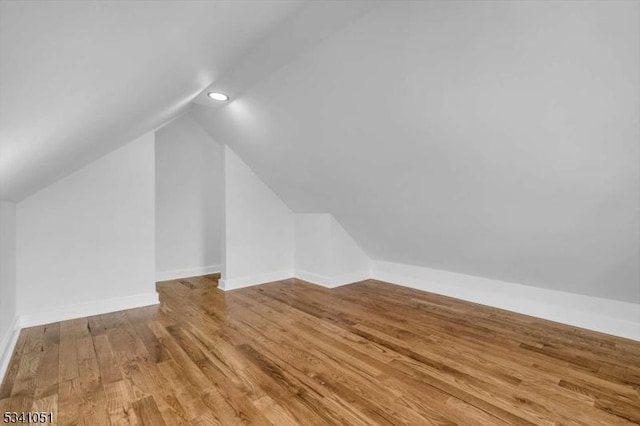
{"type": "Point", "coordinates": [80, 78]}
{"type": "Point", "coordinates": [497, 139]}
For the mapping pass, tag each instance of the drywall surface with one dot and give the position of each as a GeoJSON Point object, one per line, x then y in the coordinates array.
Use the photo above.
{"type": "Point", "coordinates": [349, 263]}
{"type": "Point", "coordinates": [494, 139]}
{"type": "Point", "coordinates": [325, 254]}
{"type": "Point", "coordinates": [8, 316]}
{"type": "Point", "coordinates": [7, 267]}
{"type": "Point", "coordinates": [67, 96]}
{"type": "Point", "coordinates": [86, 243]}
{"type": "Point", "coordinates": [313, 246]}
{"type": "Point", "coordinates": [259, 229]}
{"type": "Point", "coordinates": [189, 201]}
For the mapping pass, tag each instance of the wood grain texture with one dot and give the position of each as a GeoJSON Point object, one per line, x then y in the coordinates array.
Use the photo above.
{"type": "Point", "coordinates": [289, 353]}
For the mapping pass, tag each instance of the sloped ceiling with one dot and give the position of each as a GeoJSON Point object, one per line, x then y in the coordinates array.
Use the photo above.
{"type": "Point", "coordinates": [80, 78]}
{"type": "Point", "coordinates": [497, 139]}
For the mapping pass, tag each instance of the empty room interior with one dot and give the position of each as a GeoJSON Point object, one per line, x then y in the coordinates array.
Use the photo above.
{"type": "Point", "coordinates": [320, 212]}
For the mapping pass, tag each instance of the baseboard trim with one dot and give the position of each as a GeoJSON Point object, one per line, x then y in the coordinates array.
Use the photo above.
{"type": "Point", "coordinates": [187, 273]}
{"type": "Point", "coordinates": [7, 346]}
{"type": "Point", "coordinates": [604, 315]}
{"type": "Point", "coordinates": [248, 281]}
{"type": "Point", "coordinates": [332, 282]}
{"type": "Point", "coordinates": [312, 278]}
{"type": "Point", "coordinates": [350, 278]}
{"type": "Point", "coordinates": [87, 309]}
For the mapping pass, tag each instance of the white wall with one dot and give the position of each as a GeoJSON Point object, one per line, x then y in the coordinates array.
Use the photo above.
{"type": "Point", "coordinates": [8, 318]}
{"type": "Point", "coordinates": [325, 253]}
{"type": "Point", "coordinates": [313, 247]}
{"type": "Point", "coordinates": [259, 229]}
{"type": "Point", "coordinates": [349, 263]}
{"type": "Point", "coordinates": [86, 243]}
{"type": "Point", "coordinates": [491, 138]}
{"type": "Point", "coordinates": [189, 201]}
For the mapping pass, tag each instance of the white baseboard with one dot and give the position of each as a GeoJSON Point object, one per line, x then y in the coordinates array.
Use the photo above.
{"type": "Point", "coordinates": [187, 273]}
{"type": "Point", "coordinates": [594, 313]}
{"type": "Point", "coordinates": [350, 278]}
{"type": "Point", "coordinates": [7, 346]}
{"type": "Point", "coordinates": [87, 309]}
{"type": "Point", "coordinates": [313, 278]}
{"type": "Point", "coordinates": [227, 284]}
{"type": "Point", "coordinates": [332, 282]}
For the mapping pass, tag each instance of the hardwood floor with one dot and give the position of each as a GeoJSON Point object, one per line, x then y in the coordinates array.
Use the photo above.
{"type": "Point", "coordinates": [289, 353]}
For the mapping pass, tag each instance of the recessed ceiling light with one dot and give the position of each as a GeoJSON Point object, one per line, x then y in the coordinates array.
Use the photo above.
{"type": "Point", "coordinates": [218, 96]}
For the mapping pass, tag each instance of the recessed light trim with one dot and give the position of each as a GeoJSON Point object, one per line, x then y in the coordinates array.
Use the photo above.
{"type": "Point", "coordinates": [217, 96]}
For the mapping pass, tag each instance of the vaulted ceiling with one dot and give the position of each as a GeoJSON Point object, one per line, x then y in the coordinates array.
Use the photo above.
{"type": "Point", "coordinates": [498, 139]}
{"type": "Point", "coordinates": [80, 78]}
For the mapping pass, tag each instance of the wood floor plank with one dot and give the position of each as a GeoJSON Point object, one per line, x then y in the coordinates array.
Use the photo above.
{"type": "Point", "coordinates": [14, 364]}
{"type": "Point", "coordinates": [47, 404]}
{"type": "Point", "coordinates": [290, 352]}
{"type": "Point", "coordinates": [119, 399]}
{"type": "Point", "coordinates": [109, 370]}
{"type": "Point", "coordinates": [148, 412]}
{"type": "Point", "coordinates": [70, 400]}
{"type": "Point", "coordinates": [188, 399]}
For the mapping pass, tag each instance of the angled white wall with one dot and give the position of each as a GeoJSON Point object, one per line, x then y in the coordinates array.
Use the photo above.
{"type": "Point", "coordinates": [189, 201]}
{"type": "Point", "coordinates": [150, 59]}
{"type": "Point", "coordinates": [325, 253]}
{"type": "Point", "coordinates": [480, 144]}
{"type": "Point", "coordinates": [259, 229]}
{"type": "Point", "coordinates": [349, 263]}
{"type": "Point", "coordinates": [8, 316]}
{"type": "Point", "coordinates": [86, 243]}
{"type": "Point", "coordinates": [313, 247]}
{"type": "Point", "coordinates": [265, 241]}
